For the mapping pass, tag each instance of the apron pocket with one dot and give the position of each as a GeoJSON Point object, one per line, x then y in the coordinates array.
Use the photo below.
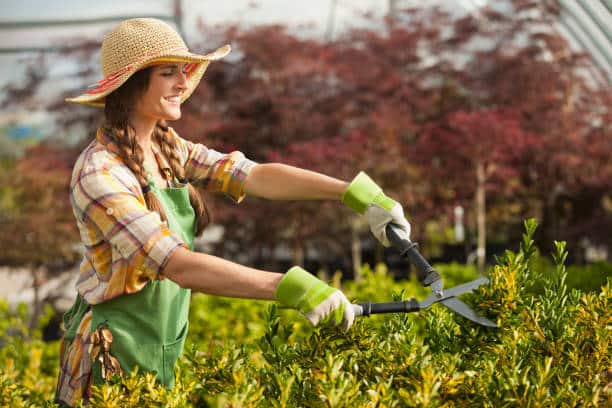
{"type": "Point", "coordinates": [171, 353]}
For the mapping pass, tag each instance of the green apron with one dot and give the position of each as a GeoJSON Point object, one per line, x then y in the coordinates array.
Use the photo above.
{"type": "Point", "coordinates": [149, 327]}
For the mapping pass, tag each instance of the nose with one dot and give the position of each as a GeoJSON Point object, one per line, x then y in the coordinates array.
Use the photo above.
{"type": "Point", "coordinates": [181, 81]}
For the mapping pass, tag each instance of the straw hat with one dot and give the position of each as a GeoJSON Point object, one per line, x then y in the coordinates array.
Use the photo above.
{"type": "Point", "coordinates": [137, 43]}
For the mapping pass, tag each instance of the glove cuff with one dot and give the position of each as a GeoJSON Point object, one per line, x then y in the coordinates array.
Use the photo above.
{"type": "Point", "coordinates": [294, 285]}
{"type": "Point", "coordinates": [361, 192]}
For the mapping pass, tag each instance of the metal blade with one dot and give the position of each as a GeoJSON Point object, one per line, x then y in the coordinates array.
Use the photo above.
{"type": "Point", "coordinates": [464, 310]}
{"type": "Point", "coordinates": [465, 287]}
{"type": "Point", "coordinates": [454, 291]}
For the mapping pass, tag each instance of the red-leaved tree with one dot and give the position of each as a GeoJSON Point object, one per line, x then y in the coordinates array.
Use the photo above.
{"type": "Point", "coordinates": [471, 153]}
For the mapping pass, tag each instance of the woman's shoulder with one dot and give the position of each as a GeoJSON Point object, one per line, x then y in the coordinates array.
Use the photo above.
{"type": "Point", "coordinates": [94, 158]}
{"type": "Point", "coordinates": [186, 147]}
{"type": "Point", "coordinates": [181, 143]}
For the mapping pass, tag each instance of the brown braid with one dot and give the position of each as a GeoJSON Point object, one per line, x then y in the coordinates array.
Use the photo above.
{"type": "Point", "coordinates": [167, 144]}
{"type": "Point", "coordinates": [116, 110]}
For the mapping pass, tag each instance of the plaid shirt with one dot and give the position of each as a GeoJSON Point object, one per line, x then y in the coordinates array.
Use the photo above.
{"type": "Point", "coordinates": [126, 245]}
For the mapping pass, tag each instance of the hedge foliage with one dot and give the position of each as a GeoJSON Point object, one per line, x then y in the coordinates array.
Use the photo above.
{"type": "Point", "coordinates": [553, 349]}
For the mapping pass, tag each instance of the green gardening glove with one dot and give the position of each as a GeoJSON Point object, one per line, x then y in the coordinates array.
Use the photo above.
{"type": "Point", "coordinates": [365, 197]}
{"type": "Point", "coordinates": [314, 298]}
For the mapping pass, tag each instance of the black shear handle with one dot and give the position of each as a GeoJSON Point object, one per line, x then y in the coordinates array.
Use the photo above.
{"type": "Point", "coordinates": [367, 308]}
{"type": "Point", "coordinates": [408, 249]}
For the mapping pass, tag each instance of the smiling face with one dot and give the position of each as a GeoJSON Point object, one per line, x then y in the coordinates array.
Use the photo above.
{"type": "Point", "coordinates": [162, 99]}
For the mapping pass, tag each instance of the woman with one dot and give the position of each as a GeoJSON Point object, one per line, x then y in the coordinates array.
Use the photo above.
{"type": "Point", "coordinates": [133, 196]}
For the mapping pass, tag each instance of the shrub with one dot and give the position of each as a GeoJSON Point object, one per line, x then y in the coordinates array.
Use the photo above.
{"type": "Point", "coordinates": [29, 366]}
{"type": "Point", "coordinates": [552, 349]}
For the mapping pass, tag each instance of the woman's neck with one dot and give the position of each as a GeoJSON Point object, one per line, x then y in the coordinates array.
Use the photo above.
{"type": "Point", "coordinates": [144, 128]}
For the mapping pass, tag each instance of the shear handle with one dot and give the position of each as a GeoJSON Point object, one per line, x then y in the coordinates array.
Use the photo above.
{"type": "Point", "coordinates": [408, 249]}
{"type": "Point", "coordinates": [367, 308]}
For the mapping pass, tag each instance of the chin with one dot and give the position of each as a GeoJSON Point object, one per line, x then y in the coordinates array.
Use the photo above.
{"type": "Point", "coordinates": [172, 115]}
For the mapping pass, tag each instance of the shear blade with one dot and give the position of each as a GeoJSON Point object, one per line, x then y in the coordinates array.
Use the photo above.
{"type": "Point", "coordinates": [465, 288]}
{"type": "Point", "coordinates": [453, 292]}
{"type": "Point", "coordinates": [464, 310]}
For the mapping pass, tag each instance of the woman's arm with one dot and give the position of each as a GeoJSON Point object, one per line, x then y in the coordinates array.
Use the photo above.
{"type": "Point", "coordinates": [296, 289]}
{"type": "Point", "coordinates": [215, 276]}
{"type": "Point", "coordinates": [276, 181]}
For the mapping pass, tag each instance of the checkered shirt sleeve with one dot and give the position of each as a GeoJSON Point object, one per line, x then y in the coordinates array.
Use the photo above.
{"type": "Point", "coordinates": [215, 171]}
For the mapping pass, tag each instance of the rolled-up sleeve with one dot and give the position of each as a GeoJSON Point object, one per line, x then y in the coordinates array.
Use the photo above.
{"type": "Point", "coordinates": [215, 171]}
{"type": "Point", "coordinates": [112, 213]}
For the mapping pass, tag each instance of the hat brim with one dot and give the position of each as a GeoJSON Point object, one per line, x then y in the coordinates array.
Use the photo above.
{"type": "Point", "coordinates": [96, 95]}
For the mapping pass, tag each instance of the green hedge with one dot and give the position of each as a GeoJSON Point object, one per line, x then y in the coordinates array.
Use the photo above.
{"type": "Point", "coordinates": [552, 349]}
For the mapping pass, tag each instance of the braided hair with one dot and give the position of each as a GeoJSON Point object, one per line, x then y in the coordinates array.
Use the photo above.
{"type": "Point", "coordinates": [117, 108]}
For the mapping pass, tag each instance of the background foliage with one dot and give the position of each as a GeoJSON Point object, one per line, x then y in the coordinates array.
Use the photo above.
{"type": "Point", "coordinates": [421, 104]}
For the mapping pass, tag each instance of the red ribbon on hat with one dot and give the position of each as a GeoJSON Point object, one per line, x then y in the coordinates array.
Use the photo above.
{"type": "Point", "coordinates": [112, 78]}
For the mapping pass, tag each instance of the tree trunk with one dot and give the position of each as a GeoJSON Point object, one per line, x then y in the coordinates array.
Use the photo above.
{"type": "Point", "coordinates": [37, 307]}
{"type": "Point", "coordinates": [298, 252]}
{"type": "Point", "coordinates": [356, 251]}
{"type": "Point", "coordinates": [481, 216]}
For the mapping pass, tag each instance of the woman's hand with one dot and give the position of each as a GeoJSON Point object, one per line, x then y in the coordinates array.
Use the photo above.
{"type": "Point", "coordinates": [315, 299]}
{"type": "Point", "coordinates": [365, 197]}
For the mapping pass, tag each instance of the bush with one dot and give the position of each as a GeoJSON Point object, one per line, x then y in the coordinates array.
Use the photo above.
{"type": "Point", "coordinates": [552, 349]}
{"type": "Point", "coordinates": [29, 366]}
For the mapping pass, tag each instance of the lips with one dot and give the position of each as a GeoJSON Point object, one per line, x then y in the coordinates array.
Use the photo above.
{"type": "Point", "coordinates": [173, 99]}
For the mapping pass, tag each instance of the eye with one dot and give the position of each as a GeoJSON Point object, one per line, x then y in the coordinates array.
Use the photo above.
{"type": "Point", "coordinates": [172, 72]}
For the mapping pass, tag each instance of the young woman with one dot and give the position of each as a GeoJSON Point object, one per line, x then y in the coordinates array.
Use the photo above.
{"type": "Point", "coordinates": [133, 197]}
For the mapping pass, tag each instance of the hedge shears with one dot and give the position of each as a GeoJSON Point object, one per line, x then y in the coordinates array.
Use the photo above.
{"type": "Point", "coordinates": [428, 276]}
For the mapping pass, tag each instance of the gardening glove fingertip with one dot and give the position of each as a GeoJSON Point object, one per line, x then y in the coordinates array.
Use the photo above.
{"type": "Point", "coordinates": [379, 218]}
{"type": "Point", "coordinates": [344, 314]}
{"type": "Point", "coordinates": [348, 315]}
